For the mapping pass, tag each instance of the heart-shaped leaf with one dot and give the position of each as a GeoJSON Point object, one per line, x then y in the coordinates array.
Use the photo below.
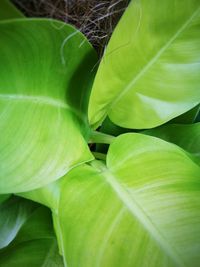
{"type": "Point", "coordinates": [45, 68]}
{"type": "Point", "coordinates": [8, 10]}
{"type": "Point", "coordinates": [35, 243]}
{"type": "Point", "coordinates": [150, 71]}
{"type": "Point", "coordinates": [140, 209]}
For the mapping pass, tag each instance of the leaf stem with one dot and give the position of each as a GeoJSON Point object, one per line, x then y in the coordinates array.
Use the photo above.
{"type": "Point", "coordinates": [101, 138]}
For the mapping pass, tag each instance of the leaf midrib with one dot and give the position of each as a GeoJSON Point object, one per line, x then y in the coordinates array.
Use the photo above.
{"type": "Point", "coordinates": [42, 100]}
{"type": "Point", "coordinates": [35, 99]}
{"type": "Point", "coordinates": [130, 202]}
{"type": "Point", "coordinates": [153, 60]}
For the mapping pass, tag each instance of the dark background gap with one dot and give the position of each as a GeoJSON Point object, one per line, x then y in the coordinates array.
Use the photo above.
{"type": "Point", "coordinates": [95, 19]}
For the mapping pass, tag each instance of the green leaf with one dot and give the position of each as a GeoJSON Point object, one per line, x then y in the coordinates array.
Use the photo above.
{"type": "Point", "coordinates": [150, 71]}
{"type": "Point", "coordinates": [13, 214]}
{"type": "Point", "coordinates": [188, 117]}
{"type": "Point", "coordinates": [185, 136]}
{"type": "Point", "coordinates": [198, 117]}
{"type": "Point", "coordinates": [45, 68]}
{"type": "Point", "coordinates": [48, 195]}
{"type": "Point", "coordinates": [8, 10]}
{"type": "Point", "coordinates": [109, 127]}
{"type": "Point", "coordinates": [35, 244]}
{"type": "Point", "coordinates": [142, 207]}
{"type": "Point", "coordinates": [4, 198]}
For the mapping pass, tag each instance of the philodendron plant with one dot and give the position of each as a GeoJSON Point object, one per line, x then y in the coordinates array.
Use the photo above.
{"type": "Point", "coordinates": [112, 151]}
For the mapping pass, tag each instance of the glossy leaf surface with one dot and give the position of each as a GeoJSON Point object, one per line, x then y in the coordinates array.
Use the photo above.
{"type": "Point", "coordinates": [8, 10]}
{"type": "Point", "coordinates": [150, 71]}
{"type": "Point", "coordinates": [142, 207]}
{"type": "Point", "coordinates": [35, 243]}
{"type": "Point", "coordinates": [45, 68]}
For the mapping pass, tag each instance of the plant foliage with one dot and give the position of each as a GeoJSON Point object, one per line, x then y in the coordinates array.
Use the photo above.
{"type": "Point", "coordinates": [134, 202]}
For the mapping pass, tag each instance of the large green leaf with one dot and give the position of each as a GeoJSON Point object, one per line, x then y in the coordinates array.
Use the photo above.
{"type": "Point", "coordinates": [45, 69]}
{"type": "Point", "coordinates": [150, 71]}
{"type": "Point", "coordinates": [8, 10]}
{"type": "Point", "coordinates": [185, 136]}
{"type": "Point", "coordinates": [140, 209]}
{"type": "Point", "coordinates": [13, 214]}
{"type": "Point", "coordinates": [35, 243]}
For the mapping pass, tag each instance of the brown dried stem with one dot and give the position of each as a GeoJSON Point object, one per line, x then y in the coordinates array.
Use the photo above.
{"type": "Point", "coordinates": [96, 19]}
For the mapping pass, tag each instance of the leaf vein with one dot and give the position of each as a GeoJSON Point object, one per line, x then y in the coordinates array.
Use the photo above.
{"type": "Point", "coordinates": [137, 211]}
{"type": "Point", "coordinates": [153, 60]}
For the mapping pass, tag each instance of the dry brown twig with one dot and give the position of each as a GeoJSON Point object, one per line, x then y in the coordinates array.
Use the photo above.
{"type": "Point", "coordinates": [96, 19]}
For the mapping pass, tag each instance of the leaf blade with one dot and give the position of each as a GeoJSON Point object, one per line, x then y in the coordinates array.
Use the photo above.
{"type": "Point", "coordinates": [14, 212]}
{"type": "Point", "coordinates": [37, 100]}
{"type": "Point", "coordinates": [153, 85]}
{"type": "Point", "coordinates": [9, 11]}
{"type": "Point", "coordinates": [185, 136]}
{"type": "Point", "coordinates": [35, 243]}
{"type": "Point", "coordinates": [144, 203]}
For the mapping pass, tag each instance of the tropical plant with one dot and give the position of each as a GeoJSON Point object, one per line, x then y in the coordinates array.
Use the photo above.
{"type": "Point", "coordinates": [112, 151]}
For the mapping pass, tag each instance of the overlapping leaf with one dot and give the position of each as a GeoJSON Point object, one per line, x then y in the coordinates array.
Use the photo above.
{"type": "Point", "coordinates": [150, 70]}
{"type": "Point", "coordinates": [188, 117]}
{"type": "Point", "coordinates": [13, 214]}
{"type": "Point", "coordinates": [35, 243]}
{"type": "Point", "coordinates": [140, 209]}
{"type": "Point", "coordinates": [185, 136]}
{"type": "Point", "coordinates": [45, 77]}
{"type": "Point", "coordinates": [8, 10]}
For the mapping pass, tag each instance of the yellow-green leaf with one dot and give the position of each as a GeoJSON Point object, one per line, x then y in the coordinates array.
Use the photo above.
{"type": "Point", "coordinates": [150, 71]}
{"type": "Point", "coordinates": [45, 68]}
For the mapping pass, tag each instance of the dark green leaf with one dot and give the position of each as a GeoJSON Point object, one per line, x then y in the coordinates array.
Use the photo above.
{"type": "Point", "coordinates": [4, 198]}
{"type": "Point", "coordinates": [8, 10]}
{"type": "Point", "coordinates": [185, 136]}
{"type": "Point", "coordinates": [35, 244]}
{"type": "Point", "coordinates": [13, 214]}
